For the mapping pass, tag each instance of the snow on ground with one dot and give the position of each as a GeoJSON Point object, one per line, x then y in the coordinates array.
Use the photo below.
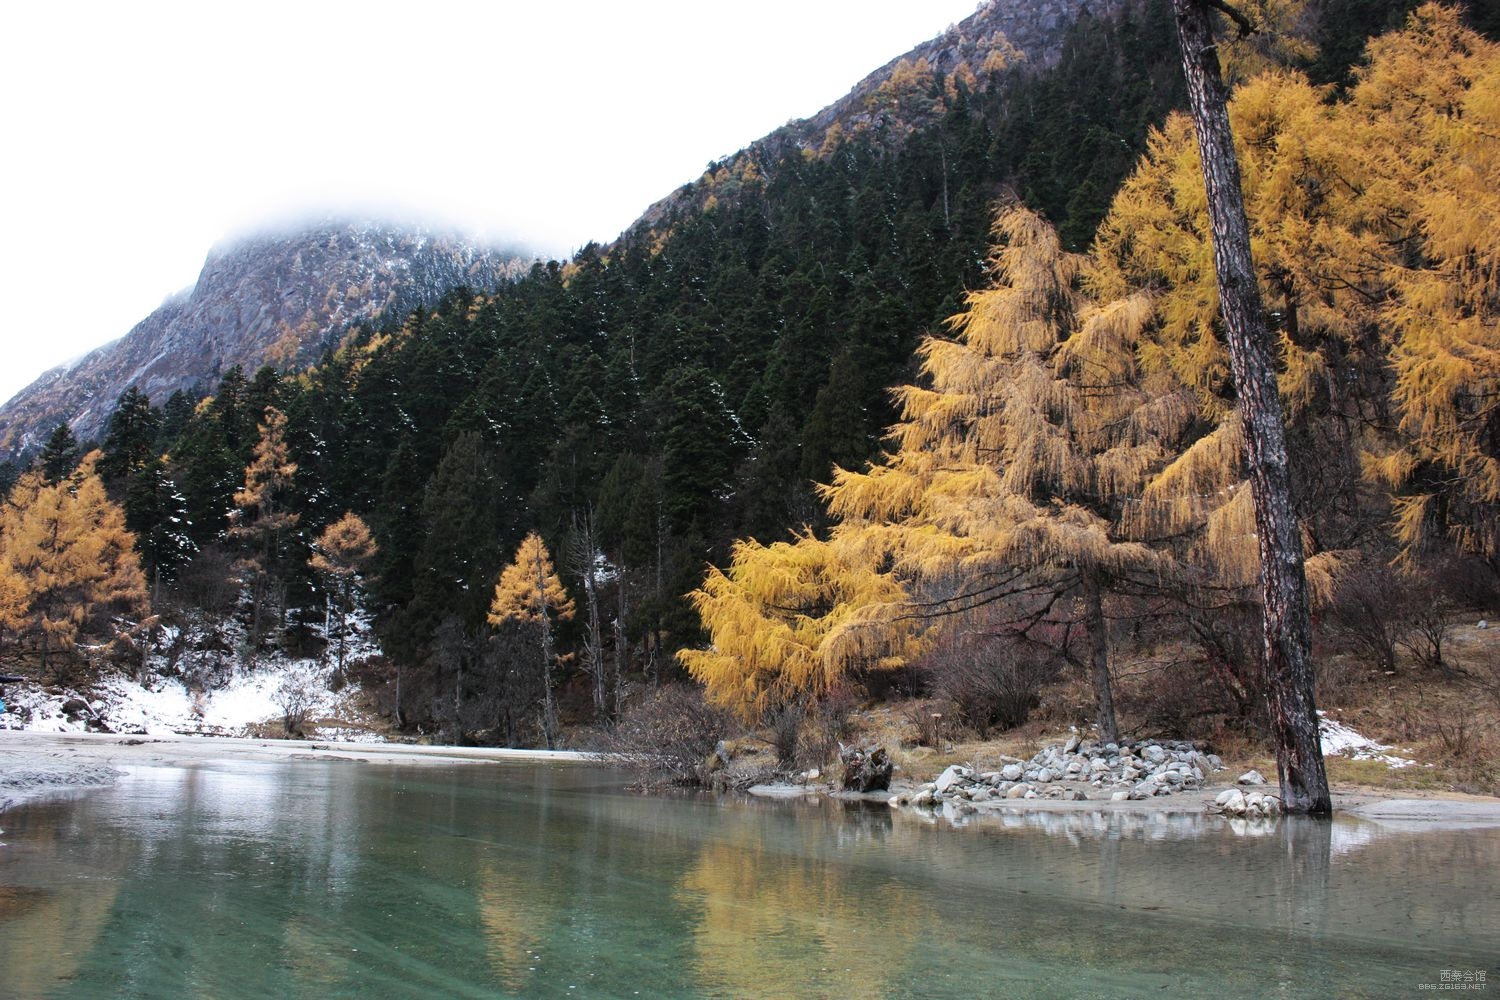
{"type": "Point", "coordinates": [195, 685]}
{"type": "Point", "coordinates": [1341, 741]}
{"type": "Point", "coordinates": [166, 705]}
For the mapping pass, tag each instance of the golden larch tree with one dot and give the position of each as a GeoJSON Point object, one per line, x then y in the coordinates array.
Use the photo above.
{"type": "Point", "coordinates": [1028, 431]}
{"type": "Point", "coordinates": [261, 520]}
{"type": "Point", "coordinates": [531, 594]}
{"type": "Point", "coordinates": [67, 544]}
{"type": "Point", "coordinates": [340, 554]}
{"type": "Point", "coordinates": [770, 618]}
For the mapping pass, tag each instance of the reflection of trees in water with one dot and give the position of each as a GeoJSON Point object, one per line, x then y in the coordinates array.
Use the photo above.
{"type": "Point", "coordinates": [776, 909]}
{"type": "Point", "coordinates": [515, 918]}
{"type": "Point", "coordinates": [47, 934]}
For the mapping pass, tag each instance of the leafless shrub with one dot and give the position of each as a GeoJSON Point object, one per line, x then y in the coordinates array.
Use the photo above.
{"type": "Point", "coordinates": [1367, 615]}
{"type": "Point", "coordinates": [1458, 731]}
{"type": "Point", "coordinates": [1176, 698]}
{"type": "Point", "coordinates": [785, 725]}
{"type": "Point", "coordinates": [993, 684]}
{"type": "Point", "coordinates": [827, 726]}
{"type": "Point", "coordinates": [670, 736]}
{"type": "Point", "coordinates": [296, 696]}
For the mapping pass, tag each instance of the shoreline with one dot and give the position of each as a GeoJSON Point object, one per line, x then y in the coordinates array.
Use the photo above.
{"type": "Point", "coordinates": [41, 764]}
{"type": "Point", "coordinates": [33, 765]}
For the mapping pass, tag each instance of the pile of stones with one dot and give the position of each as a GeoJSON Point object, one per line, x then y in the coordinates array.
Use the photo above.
{"type": "Point", "coordinates": [1251, 802]}
{"type": "Point", "coordinates": [1129, 770]}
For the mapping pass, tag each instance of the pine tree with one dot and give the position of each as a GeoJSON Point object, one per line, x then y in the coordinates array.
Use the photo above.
{"type": "Point", "coordinates": [60, 454]}
{"type": "Point", "coordinates": [530, 594]}
{"type": "Point", "coordinates": [129, 438]}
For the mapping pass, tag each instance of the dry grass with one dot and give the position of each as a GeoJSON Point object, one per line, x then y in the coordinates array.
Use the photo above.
{"type": "Point", "coordinates": [1448, 722]}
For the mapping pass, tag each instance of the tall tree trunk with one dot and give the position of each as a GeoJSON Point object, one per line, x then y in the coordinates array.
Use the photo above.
{"type": "Point", "coordinates": [622, 642]}
{"type": "Point", "coordinates": [1098, 632]}
{"type": "Point", "coordinates": [549, 710]}
{"type": "Point", "coordinates": [1288, 627]}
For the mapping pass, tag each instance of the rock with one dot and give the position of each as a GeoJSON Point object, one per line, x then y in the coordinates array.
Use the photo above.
{"type": "Point", "coordinates": [1044, 775]}
{"type": "Point", "coordinates": [1251, 777]}
{"type": "Point", "coordinates": [1017, 792]}
{"type": "Point", "coordinates": [924, 797]}
{"type": "Point", "coordinates": [991, 778]}
{"type": "Point", "coordinates": [1483, 623]}
{"type": "Point", "coordinates": [1231, 801]}
{"type": "Point", "coordinates": [1011, 772]}
{"type": "Point", "coordinates": [1154, 754]}
{"type": "Point", "coordinates": [952, 775]}
{"type": "Point", "coordinates": [1120, 796]}
{"type": "Point", "coordinates": [1076, 795]}
{"type": "Point", "coordinates": [75, 707]}
{"type": "Point", "coordinates": [1072, 744]}
{"type": "Point", "coordinates": [1216, 762]}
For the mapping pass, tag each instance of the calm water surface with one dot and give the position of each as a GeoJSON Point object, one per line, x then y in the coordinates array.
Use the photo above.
{"type": "Point", "coordinates": [547, 880]}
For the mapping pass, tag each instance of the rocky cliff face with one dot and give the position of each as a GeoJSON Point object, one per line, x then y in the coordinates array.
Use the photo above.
{"type": "Point", "coordinates": [270, 299]}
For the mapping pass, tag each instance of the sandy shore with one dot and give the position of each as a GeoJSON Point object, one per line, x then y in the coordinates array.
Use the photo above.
{"type": "Point", "coordinates": [40, 763]}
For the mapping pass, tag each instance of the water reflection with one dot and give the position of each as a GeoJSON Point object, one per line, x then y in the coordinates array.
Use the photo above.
{"type": "Point", "coordinates": [327, 880]}
{"type": "Point", "coordinates": [775, 919]}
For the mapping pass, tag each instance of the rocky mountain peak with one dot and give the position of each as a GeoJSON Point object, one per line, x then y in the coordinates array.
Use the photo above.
{"type": "Point", "coordinates": [275, 297]}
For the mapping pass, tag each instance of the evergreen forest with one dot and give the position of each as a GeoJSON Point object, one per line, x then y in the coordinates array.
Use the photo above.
{"type": "Point", "coordinates": [943, 413]}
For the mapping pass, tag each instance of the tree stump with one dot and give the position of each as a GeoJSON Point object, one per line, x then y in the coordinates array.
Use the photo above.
{"type": "Point", "coordinates": [866, 769]}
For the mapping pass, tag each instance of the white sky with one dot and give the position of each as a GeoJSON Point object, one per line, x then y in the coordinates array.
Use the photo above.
{"type": "Point", "coordinates": [137, 135]}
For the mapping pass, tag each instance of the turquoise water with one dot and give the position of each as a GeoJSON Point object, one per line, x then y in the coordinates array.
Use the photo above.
{"type": "Point", "coordinates": [314, 879]}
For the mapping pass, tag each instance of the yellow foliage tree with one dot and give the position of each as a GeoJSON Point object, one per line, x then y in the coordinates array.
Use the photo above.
{"type": "Point", "coordinates": [530, 593]}
{"type": "Point", "coordinates": [1003, 484]}
{"type": "Point", "coordinates": [1013, 458]}
{"type": "Point", "coordinates": [771, 617]}
{"type": "Point", "coordinates": [261, 519]}
{"type": "Point", "coordinates": [69, 562]}
{"type": "Point", "coordinates": [340, 553]}
{"type": "Point", "coordinates": [1374, 223]}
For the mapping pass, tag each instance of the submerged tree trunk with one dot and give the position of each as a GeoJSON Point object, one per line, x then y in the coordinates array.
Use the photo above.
{"type": "Point", "coordinates": [1098, 632]}
{"type": "Point", "coordinates": [1288, 627]}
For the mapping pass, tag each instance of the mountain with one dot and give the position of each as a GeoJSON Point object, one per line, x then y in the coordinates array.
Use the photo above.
{"type": "Point", "coordinates": [1002, 42]}
{"type": "Point", "coordinates": [272, 298]}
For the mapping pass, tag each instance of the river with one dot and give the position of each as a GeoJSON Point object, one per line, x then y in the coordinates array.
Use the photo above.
{"type": "Point", "coordinates": [328, 880]}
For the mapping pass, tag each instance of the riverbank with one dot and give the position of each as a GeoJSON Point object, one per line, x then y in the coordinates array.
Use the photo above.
{"type": "Point", "coordinates": [35, 764]}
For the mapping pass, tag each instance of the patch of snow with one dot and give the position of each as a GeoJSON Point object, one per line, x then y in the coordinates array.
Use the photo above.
{"type": "Point", "coordinates": [1340, 741]}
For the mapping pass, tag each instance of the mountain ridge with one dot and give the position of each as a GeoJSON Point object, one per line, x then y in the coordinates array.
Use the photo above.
{"type": "Point", "coordinates": [277, 296]}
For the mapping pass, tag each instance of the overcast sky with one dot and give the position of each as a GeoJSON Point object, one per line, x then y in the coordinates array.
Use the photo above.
{"type": "Point", "coordinates": [138, 135]}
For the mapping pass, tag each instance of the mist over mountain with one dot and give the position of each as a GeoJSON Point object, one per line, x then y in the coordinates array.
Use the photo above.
{"type": "Point", "coordinates": [276, 297]}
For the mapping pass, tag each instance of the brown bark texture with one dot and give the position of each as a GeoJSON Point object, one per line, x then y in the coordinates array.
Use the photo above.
{"type": "Point", "coordinates": [1288, 626]}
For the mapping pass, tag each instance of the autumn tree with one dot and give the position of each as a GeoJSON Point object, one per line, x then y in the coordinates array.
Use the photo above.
{"type": "Point", "coordinates": [261, 521]}
{"type": "Point", "coordinates": [529, 594]}
{"type": "Point", "coordinates": [340, 554]}
{"type": "Point", "coordinates": [772, 616]}
{"type": "Point", "coordinates": [67, 544]}
{"type": "Point", "coordinates": [1031, 429]}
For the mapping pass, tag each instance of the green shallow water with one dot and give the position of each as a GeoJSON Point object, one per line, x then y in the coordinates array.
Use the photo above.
{"type": "Point", "coordinates": [547, 880]}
